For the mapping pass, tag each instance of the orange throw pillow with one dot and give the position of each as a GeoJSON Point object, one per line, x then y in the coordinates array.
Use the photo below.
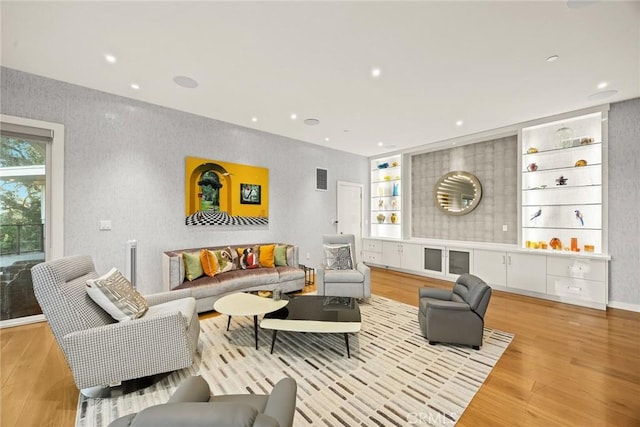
{"type": "Point", "coordinates": [209, 262]}
{"type": "Point", "coordinates": [266, 255]}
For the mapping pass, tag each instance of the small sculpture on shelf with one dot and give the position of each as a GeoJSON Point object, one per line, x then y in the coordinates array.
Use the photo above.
{"type": "Point", "coordinates": [581, 162]}
{"type": "Point", "coordinates": [395, 164]}
{"type": "Point", "coordinates": [532, 150]}
{"type": "Point", "coordinates": [394, 204]}
{"type": "Point", "coordinates": [380, 217]}
{"type": "Point", "coordinates": [532, 167]}
{"type": "Point", "coordinates": [383, 165]}
{"type": "Point", "coordinates": [579, 217]}
{"type": "Point", "coordinates": [562, 180]}
{"type": "Point", "coordinates": [380, 203]}
{"type": "Point", "coordinates": [536, 215]}
{"type": "Point", "coordinates": [393, 218]}
{"type": "Point", "coordinates": [555, 243]}
{"type": "Point", "coordinates": [395, 190]}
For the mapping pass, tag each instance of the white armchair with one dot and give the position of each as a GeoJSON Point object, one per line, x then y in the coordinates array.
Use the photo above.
{"type": "Point", "coordinates": [354, 282]}
{"type": "Point", "coordinates": [101, 351]}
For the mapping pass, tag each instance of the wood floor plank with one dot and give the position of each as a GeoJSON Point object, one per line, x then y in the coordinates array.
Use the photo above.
{"type": "Point", "coordinates": [567, 365]}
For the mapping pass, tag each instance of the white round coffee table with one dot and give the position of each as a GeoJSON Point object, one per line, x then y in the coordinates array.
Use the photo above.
{"type": "Point", "coordinates": [244, 304]}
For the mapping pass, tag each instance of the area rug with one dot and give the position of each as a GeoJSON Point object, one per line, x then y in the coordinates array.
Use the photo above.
{"type": "Point", "coordinates": [393, 378]}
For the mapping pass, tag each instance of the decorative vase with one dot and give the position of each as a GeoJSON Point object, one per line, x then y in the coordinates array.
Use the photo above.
{"type": "Point", "coordinates": [380, 218]}
{"type": "Point", "coordinates": [564, 137]}
{"type": "Point", "coordinates": [532, 167]}
{"type": "Point", "coordinates": [395, 189]}
{"type": "Point", "coordinates": [393, 218]}
{"type": "Point", "coordinates": [581, 162]}
{"type": "Point", "coordinates": [555, 243]}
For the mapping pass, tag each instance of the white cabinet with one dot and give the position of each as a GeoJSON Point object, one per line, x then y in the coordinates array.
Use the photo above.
{"type": "Point", "coordinates": [401, 255]}
{"type": "Point", "coordinates": [563, 184]}
{"type": "Point", "coordinates": [578, 280]}
{"type": "Point", "coordinates": [446, 262]}
{"type": "Point", "coordinates": [386, 197]}
{"type": "Point", "coordinates": [527, 272]}
{"type": "Point", "coordinates": [372, 251]}
{"type": "Point", "coordinates": [511, 270]}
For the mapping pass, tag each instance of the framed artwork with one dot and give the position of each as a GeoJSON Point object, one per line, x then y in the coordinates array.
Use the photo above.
{"type": "Point", "coordinates": [221, 193]}
{"type": "Point", "coordinates": [250, 194]}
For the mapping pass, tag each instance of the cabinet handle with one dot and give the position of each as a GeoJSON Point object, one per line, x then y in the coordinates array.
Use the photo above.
{"type": "Point", "coordinates": [509, 259]}
{"type": "Point", "coordinates": [504, 259]}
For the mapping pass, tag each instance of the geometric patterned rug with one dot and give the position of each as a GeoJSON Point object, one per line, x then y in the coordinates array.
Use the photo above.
{"type": "Point", "coordinates": [393, 378]}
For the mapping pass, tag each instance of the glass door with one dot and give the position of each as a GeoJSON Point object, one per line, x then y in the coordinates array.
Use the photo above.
{"type": "Point", "coordinates": [23, 207]}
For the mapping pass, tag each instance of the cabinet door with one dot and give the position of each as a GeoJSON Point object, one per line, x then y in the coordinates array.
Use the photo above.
{"type": "Point", "coordinates": [458, 262]}
{"type": "Point", "coordinates": [433, 260]}
{"type": "Point", "coordinates": [371, 245]}
{"type": "Point", "coordinates": [527, 272]}
{"type": "Point", "coordinates": [411, 257]}
{"type": "Point", "coordinates": [490, 266]}
{"type": "Point", "coordinates": [391, 254]}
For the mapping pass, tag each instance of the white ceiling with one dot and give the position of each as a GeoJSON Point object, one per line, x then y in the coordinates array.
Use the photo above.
{"type": "Point", "coordinates": [480, 62]}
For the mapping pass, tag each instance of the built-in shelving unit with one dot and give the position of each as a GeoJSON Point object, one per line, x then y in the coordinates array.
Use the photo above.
{"type": "Point", "coordinates": [386, 201]}
{"type": "Point", "coordinates": [562, 184]}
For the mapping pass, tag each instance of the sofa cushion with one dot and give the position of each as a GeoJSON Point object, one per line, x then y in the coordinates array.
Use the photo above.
{"type": "Point", "coordinates": [114, 293]}
{"type": "Point", "coordinates": [266, 255]}
{"type": "Point", "coordinates": [280, 255]}
{"type": "Point", "coordinates": [209, 262]}
{"type": "Point", "coordinates": [287, 274]}
{"type": "Point", "coordinates": [225, 260]}
{"type": "Point", "coordinates": [338, 257]}
{"type": "Point", "coordinates": [347, 276]}
{"type": "Point", "coordinates": [249, 257]}
{"type": "Point", "coordinates": [192, 265]}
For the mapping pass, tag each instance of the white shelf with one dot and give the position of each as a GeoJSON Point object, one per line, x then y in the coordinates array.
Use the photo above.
{"type": "Point", "coordinates": [386, 190]}
{"type": "Point", "coordinates": [555, 160]}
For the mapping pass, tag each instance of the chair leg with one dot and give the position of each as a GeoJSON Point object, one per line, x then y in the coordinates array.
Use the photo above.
{"type": "Point", "coordinates": [476, 347]}
{"type": "Point", "coordinates": [433, 342]}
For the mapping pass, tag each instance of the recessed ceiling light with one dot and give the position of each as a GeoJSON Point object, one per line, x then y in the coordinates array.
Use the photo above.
{"type": "Point", "coordinates": [311, 122]}
{"type": "Point", "coordinates": [135, 86]}
{"type": "Point", "coordinates": [602, 85]}
{"type": "Point", "coordinates": [110, 59]}
{"type": "Point", "coordinates": [254, 119]}
{"type": "Point", "coordinates": [380, 144]}
{"type": "Point", "coordinates": [553, 58]}
{"type": "Point", "coordinates": [294, 116]}
{"type": "Point", "coordinates": [327, 139]}
{"type": "Point", "coordinates": [601, 95]}
{"type": "Point", "coordinates": [375, 72]}
{"type": "Point", "coordinates": [459, 123]}
{"type": "Point", "coordinates": [186, 82]}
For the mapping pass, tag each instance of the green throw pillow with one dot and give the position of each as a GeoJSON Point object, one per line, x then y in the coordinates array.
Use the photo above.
{"type": "Point", "coordinates": [192, 265]}
{"type": "Point", "coordinates": [280, 255]}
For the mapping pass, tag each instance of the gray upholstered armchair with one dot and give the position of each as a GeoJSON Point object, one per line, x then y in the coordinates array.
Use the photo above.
{"type": "Point", "coordinates": [455, 316]}
{"type": "Point", "coordinates": [101, 351]}
{"type": "Point", "coordinates": [352, 282]}
{"type": "Point", "coordinates": [192, 405]}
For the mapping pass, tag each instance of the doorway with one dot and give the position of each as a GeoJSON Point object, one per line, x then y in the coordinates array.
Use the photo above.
{"type": "Point", "coordinates": [350, 212]}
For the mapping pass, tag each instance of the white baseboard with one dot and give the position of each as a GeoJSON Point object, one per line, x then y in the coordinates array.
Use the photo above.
{"type": "Point", "coordinates": [624, 306]}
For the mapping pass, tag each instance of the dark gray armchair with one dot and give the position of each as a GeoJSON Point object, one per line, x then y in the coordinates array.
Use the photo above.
{"type": "Point", "coordinates": [455, 316]}
{"type": "Point", "coordinates": [192, 405]}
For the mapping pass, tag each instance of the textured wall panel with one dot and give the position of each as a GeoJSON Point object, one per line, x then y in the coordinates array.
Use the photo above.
{"type": "Point", "coordinates": [494, 163]}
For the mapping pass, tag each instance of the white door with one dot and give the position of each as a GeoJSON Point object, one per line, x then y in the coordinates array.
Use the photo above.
{"type": "Point", "coordinates": [349, 212]}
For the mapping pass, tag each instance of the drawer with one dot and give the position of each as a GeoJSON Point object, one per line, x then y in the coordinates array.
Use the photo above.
{"type": "Point", "coordinates": [577, 289]}
{"type": "Point", "coordinates": [372, 245]}
{"type": "Point", "coordinates": [579, 268]}
{"type": "Point", "coordinates": [372, 257]}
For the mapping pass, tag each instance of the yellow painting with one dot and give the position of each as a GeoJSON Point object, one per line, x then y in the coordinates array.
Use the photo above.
{"type": "Point", "coordinates": [223, 193]}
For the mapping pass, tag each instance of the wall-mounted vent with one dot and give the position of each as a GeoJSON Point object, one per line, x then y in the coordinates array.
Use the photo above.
{"type": "Point", "coordinates": [321, 180]}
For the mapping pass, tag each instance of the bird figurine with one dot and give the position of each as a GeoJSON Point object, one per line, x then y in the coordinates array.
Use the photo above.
{"type": "Point", "coordinates": [580, 217]}
{"type": "Point", "coordinates": [562, 180]}
{"type": "Point", "coordinates": [536, 215]}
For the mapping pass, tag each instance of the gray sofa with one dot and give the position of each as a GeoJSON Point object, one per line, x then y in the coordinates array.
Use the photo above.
{"type": "Point", "coordinates": [192, 405]}
{"type": "Point", "coordinates": [455, 316]}
{"type": "Point", "coordinates": [206, 290]}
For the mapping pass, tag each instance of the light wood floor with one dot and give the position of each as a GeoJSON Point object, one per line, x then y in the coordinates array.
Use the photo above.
{"type": "Point", "coordinates": [566, 365]}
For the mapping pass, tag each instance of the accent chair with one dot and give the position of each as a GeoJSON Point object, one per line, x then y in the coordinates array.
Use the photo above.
{"type": "Point", "coordinates": [101, 351]}
{"type": "Point", "coordinates": [455, 316]}
{"type": "Point", "coordinates": [192, 405]}
{"type": "Point", "coordinates": [340, 281]}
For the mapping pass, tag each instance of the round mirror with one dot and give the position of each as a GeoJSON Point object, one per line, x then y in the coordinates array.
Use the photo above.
{"type": "Point", "coordinates": [457, 193]}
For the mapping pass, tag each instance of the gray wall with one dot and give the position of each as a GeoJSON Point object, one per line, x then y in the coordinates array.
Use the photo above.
{"type": "Point", "coordinates": [624, 201]}
{"type": "Point", "coordinates": [494, 164]}
{"type": "Point", "coordinates": [125, 161]}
